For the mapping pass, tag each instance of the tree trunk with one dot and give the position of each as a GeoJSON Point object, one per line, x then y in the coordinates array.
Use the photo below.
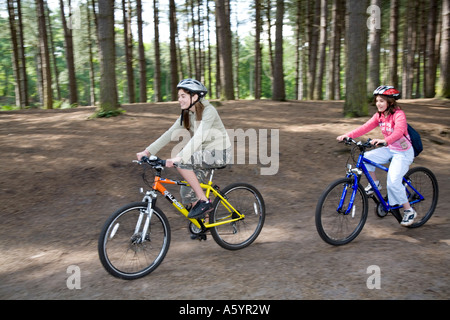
{"type": "Point", "coordinates": [430, 54]}
{"type": "Point", "coordinates": [52, 51]}
{"type": "Point", "coordinates": [47, 98]}
{"type": "Point", "coordinates": [322, 50]}
{"type": "Point", "coordinates": [91, 58]}
{"type": "Point", "coordinates": [313, 36]}
{"type": "Point", "coordinates": [15, 53]}
{"type": "Point", "coordinates": [279, 92]}
{"type": "Point", "coordinates": [298, 90]}
{"type": "Point", "coordinates": [356, 56]}
{"type": "Point", "coordinates": [393, 43]}
{"type": "Point", "coordinates": [108, 104]}
{"type": "Point", "coordinates": [173, 50]}
{"type": "Point", "coordinates": [409, 50]}
{"type": "Point", "coordinates": [374, 42]}
{"type": "Point", "coordinates": [157, 77]}
{"type": "Point", "coordinates": [128, 47]}
{"type": "Point", "coordinates": [444, 81]}
{"type": "Point", "coordinates": [68, 42]}
{"type": "Point", "coordinates": [225, 49]}
{"type": "Point", "coordinates": [333, 49]}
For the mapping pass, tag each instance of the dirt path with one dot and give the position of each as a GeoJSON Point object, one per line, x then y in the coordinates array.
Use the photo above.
{"type": "Point", "coordinates": [61, 176]}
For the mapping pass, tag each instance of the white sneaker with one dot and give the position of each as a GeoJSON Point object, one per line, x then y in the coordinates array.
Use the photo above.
{"type": "Point", "coordinates": [408, 217]}
{"type": "Point", "coordinates": [369, 189]}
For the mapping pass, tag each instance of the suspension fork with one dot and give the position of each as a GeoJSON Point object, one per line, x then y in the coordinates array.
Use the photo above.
{"type": "Point", "coordinates": [150, 199]}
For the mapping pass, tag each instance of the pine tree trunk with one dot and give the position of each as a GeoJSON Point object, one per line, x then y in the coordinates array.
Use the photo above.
{"type": "Point", "coordinates": [279, 91]}
{"type": "Point", "coordinates": [356, 56]}
{"type": "Point", "coordinates": [47, 98]}
{"type": "Point", "coordinates": [444, 81]}
{"type": "Point", "coordinates": [313, 36]}
{"type": "Point", "coordinates": [225, 47]}
{"type": "Point", "coordinates": [430, 53]}
{"type": "Point", "coordinates": [258, 50]}
{"type": "Point", "coordinates": [108, 103]}
{"type": "Point", "coordinates": [322, 50]}
{"type": "Point", "coordinates": [374, 53]}
{"type": "Point", "coordinates": [393, 43]}
{"type": "Point", "coordinates": [173, 50]}
{"type": "Point", "coordinates": [157, 77]}
{"type": "Point", "coordinates": [68, 41]}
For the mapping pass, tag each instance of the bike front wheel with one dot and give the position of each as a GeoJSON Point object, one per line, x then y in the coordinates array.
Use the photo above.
{"type": "Point", "coordinates": [336, 222]}
{"type": "Point", "coordinates": [247, 200]}
{"type": "Point", "coordinates": [124, 250]}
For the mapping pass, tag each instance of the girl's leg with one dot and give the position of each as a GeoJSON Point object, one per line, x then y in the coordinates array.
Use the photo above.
{"type": "Point", "coordinates": [399, 167]}
{"type": "Point", "coordinates": [381, 156]}
{"type": "Point", "coordinates": [191, 178]}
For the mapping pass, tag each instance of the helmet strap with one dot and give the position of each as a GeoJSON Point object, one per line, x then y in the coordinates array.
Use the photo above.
{"type": "Point", "coordinates": [188, 108]}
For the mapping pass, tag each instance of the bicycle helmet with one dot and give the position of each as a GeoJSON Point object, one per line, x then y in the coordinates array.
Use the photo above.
{"type": "Point", "coordinates": [193, 86]}
{"type": "Point", "coordinates": [388, 91]}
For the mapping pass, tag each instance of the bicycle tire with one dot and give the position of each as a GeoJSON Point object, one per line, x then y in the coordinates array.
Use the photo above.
{"type": "Point", "coordinates": [337, 228]}
{"type": "Point", "coordinates": [119, 252]}
{"type": "Point", "coordinates": [425, 182]}
{"type": "Point", "coordinates": [247, 200]}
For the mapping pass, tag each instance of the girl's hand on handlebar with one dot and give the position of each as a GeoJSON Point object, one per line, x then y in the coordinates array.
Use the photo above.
{"type": "Point", "coordinates": [142, 154]}
{"type": "Point", "coordinates": [377, 142]}
{"type": "Point", "coordinates": [170, 162]}
{"type": "Point", "coordinates": [342, 138]}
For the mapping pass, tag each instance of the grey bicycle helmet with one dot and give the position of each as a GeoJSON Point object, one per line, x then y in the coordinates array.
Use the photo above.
{"type": "Point", "coordinates": [388, 91]}
{"type": "Point", "coordinates": [193, 86]}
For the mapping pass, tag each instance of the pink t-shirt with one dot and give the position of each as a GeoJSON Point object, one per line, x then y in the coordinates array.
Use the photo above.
{"type": "Point", "coordinates": [394, 128]}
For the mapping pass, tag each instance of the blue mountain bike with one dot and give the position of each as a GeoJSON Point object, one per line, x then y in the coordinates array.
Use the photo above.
{"type": "Point", "coordinates": [342, 208]}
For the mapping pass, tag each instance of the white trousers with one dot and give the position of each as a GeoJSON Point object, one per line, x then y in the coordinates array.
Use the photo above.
{"type": "Point", "coordinates": [400, 162]}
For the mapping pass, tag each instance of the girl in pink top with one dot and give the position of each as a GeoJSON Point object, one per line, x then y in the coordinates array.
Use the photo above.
{"type": "Point", "coordinates": [392, 122]}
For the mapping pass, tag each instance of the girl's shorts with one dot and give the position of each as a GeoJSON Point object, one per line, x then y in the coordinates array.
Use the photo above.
{"type": "Point", "coordinates": [202, 162]}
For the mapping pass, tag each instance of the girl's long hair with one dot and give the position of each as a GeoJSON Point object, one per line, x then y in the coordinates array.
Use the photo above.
{"type": "Point", "coordinates": [199, 107]}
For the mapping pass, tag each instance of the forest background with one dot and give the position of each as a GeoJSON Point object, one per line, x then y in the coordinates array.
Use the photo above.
{"type": "Point", "coordinates": [65, 53]}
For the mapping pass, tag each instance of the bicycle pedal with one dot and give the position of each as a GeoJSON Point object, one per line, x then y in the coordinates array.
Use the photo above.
{"type": "Point", "coordinates": [199, 237]}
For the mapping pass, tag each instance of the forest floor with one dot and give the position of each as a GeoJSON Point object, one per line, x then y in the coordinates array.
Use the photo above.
{"type": "Point", "coordinates": [62, 175]}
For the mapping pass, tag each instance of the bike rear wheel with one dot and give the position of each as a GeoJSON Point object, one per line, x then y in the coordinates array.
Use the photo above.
{"type": "Point", "coordinates": [334, 225]}
{"type": "Point", "coordinates": [425, 182]}
{"type": "Point", "coordinates": [247, 200]}
{"type": "Point", "coordinates": [123, 249]}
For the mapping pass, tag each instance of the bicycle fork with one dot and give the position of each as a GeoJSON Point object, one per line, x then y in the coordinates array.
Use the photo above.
{"type": "Point", "coordinates": [354, 173]}
{"type": "Point", "coordinates": [145, 216]}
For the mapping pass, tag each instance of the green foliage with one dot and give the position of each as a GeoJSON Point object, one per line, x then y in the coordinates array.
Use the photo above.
{"type": "Point", "coordinates": [107, 113]}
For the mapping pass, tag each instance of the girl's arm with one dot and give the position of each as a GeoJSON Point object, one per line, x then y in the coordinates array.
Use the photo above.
{"type": "Point", "coordinates": [371, 124]}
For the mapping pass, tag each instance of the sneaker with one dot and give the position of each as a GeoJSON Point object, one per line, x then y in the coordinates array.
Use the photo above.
{"type": "Point", "coordinates": [369, 189]}
{"type": "Point", "coordinates": [408, 217]}
{"type": "Point", "coordinates": [200, 209]}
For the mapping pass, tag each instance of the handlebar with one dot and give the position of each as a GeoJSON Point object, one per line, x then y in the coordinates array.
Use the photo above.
{"type": "Point", "coordinates": [363, 145]}
{"type": "Point", "coordinates": [153, 161]}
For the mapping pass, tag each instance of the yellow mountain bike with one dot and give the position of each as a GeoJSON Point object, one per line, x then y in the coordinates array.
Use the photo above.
{"type": "Point", "coordinates": [135, 239]}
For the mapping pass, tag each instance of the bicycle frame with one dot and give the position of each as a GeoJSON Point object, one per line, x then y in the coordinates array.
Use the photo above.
{"type": "Point", "coordinates": [158, 186]}
{"type": "Point", "coordinates": [362, 169]}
